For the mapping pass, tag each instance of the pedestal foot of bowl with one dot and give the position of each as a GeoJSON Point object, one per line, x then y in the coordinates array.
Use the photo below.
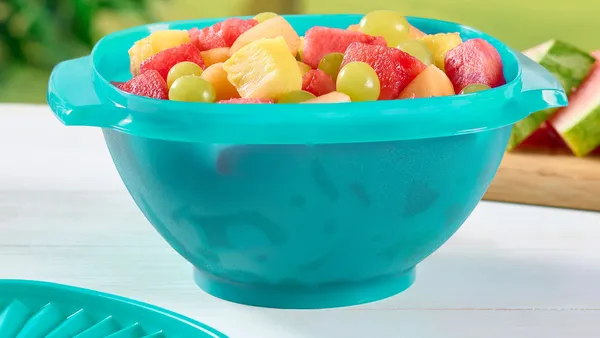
{"type": "Point", "coordinates": [305, 297]}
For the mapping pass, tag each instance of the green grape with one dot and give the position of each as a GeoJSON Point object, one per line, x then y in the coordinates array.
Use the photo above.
{"type": "Point", "coordinates": [417, 49]}
{"type": "Point", "coordinates": [192, 88]}
{"type": "Point", "coordinates": [262, 17]}
{"type": "Point", "coordinates": [182, 69]}
{"type": "Point", "coordinates": [359, 81]}
{"type": "Point", "coordinates": [390, 24]}
{"type": "Point", "coordinates": [296, 96]}
{"type": "Point", "coordinates": [331, 63]}
{"type": "Point", "coordinates": [474, 88]}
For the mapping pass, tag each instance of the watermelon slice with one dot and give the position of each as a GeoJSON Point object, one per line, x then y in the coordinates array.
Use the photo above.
{"type": "Point", "coordinates": [149, 84]}
{"type": "Point", "coordinates": [163, 61]}
{"type": "Point", "coordinates": [474, 61]}
{"type": "Point", "coordinates": [249, 100]}
{"type": "Point", "coordinates": [317, 82]}
{"type": "Point", "coordinates": [545, 137]}
{"type": "Point", "coordinates": [221, 34]}
{"type": "Point", "coordinates": [395, 68]}
{"type": "Point", "coordinates": [579, 123]}
{"type": "Point", "coordinates": [320, 41]}
{"type": "Point", "coordinates": [569, 65]}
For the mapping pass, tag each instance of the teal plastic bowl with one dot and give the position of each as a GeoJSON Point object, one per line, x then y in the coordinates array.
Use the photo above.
{"type": "Point", "coordinates": [292, 206]}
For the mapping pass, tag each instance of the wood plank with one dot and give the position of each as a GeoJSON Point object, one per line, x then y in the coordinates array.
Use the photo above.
{"type": "Point", "coordinates": [556, 179]}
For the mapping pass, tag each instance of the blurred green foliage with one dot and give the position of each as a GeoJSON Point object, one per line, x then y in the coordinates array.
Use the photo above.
{"type": "Point", "coordinates": [37, 34]}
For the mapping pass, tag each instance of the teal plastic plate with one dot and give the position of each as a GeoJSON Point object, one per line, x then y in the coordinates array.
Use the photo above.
{"type": "Point", "coordinates": [31, 309]}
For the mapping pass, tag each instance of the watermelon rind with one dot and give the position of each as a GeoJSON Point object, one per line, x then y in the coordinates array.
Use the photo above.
{"type": "Point", "coordinates": [579, 123]}
{"type": "Point", "coordinates": [584, 136]}
{"type": "Point", "coordinates": [569, 64]}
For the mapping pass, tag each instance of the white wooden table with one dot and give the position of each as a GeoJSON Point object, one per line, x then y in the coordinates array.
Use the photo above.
{"type": "Point", "coordinates": [510, 272]}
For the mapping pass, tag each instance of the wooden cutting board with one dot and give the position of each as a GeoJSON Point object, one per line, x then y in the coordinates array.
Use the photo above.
{"type": "Point", "coordinates": [556, 179]}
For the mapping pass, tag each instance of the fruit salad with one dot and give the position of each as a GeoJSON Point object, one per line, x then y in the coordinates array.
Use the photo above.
{"type": "Point", "coordinates": [263, 60]}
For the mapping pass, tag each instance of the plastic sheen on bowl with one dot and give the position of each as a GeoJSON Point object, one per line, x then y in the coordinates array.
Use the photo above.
{"type": "Point", "coordinates": [284, 206]}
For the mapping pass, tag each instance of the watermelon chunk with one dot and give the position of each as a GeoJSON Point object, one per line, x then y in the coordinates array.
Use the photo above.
{"type": "Point", "coordinates": [320, 41]}
{"type": "Point", "coordinates": [579, 123]}
{"type": "Point", "coordinates": [395, 68]}
{"type": "Point", "coordinates": [207, 38]}
{"type": "Point", "coordinates": [474, 61]}
{"type": "Point", "coordinates": [163, 61]}
{"type": "Point", "coordinates": [248, 100]}
{"type": "Point", "coordinates": [149, 84]}
{"type": "Point", "coordinates": [569, 65]}
{"type": "Point", "coordinates": [232, 28]}
{"type": "Point", "coordinates": [221, 34]}
{"type": "Point", "coordinates": [117, 84]}
{"type": "Point", "coordinates": [317, 82]}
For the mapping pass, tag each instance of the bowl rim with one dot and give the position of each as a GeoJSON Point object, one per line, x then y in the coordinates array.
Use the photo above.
{"type": "Point", "coordinates": [294, 123]}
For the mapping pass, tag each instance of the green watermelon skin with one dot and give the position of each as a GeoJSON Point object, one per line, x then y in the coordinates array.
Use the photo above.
{"type": "Point", "coordinates": [569, 65]}
{"type": "Point", "coordinates": [579, 123]}
{"type": "Point", "coordinates": [584, 137]}
{"type": "Point", "coordinates": [524, 128]}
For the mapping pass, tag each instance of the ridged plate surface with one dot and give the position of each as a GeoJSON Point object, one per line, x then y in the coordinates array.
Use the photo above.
{"type": "Point", "coordinates": [31, 309]}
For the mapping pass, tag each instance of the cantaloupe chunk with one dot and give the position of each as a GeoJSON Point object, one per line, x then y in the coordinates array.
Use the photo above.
{"type": "Point", "coordinates": [217, 76]}
{"type": "Point", "coordinates": [333, 97]}
{"type": "Point", "coordinates": [415, 33]}
{"type": "Point", "coordinates": [440, 44]}
{"type": "Point", "coordinates": [264, 69]}
{"type": "Point", "coordinates": [304, 68]}
{"type": "Point", "coordinates": [429, 83]}
{"type": "Point", "coordinates": [353, 28]}
{"type": "Point", "coordinates": [215, 55]}
{"type": "Point", "coordinates": [155, 43]}
{"type": "Point", "coordinates": [271, 28]}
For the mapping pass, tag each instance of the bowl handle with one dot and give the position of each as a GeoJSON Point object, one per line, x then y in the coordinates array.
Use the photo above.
{"type": "Point", "coordinates": [540, 90]}
{"type": "Point", "coordinates": [72, 97]}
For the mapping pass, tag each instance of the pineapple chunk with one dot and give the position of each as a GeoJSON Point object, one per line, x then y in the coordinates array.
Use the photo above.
{"type": "Point", "coordinates": [156, 42]}
{"type": "Point", "coordinates": [161, 40]}
{"type": "Point", "coordinates": [304, 68]}
{"type": "Point", "coordinates": [264, 69]}
{"type": "Point", "coordinates": [271, 28]}
{"type": "Point", "coordinates": [140, 51]}
{"type": "Point", "coordinates": [440, 44]}
{"type": "Point", "coordinates": [300, 49]}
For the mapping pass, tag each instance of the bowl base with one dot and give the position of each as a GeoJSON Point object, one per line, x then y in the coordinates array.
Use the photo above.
{"type": "Point", "coordinates": [297, 297]}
